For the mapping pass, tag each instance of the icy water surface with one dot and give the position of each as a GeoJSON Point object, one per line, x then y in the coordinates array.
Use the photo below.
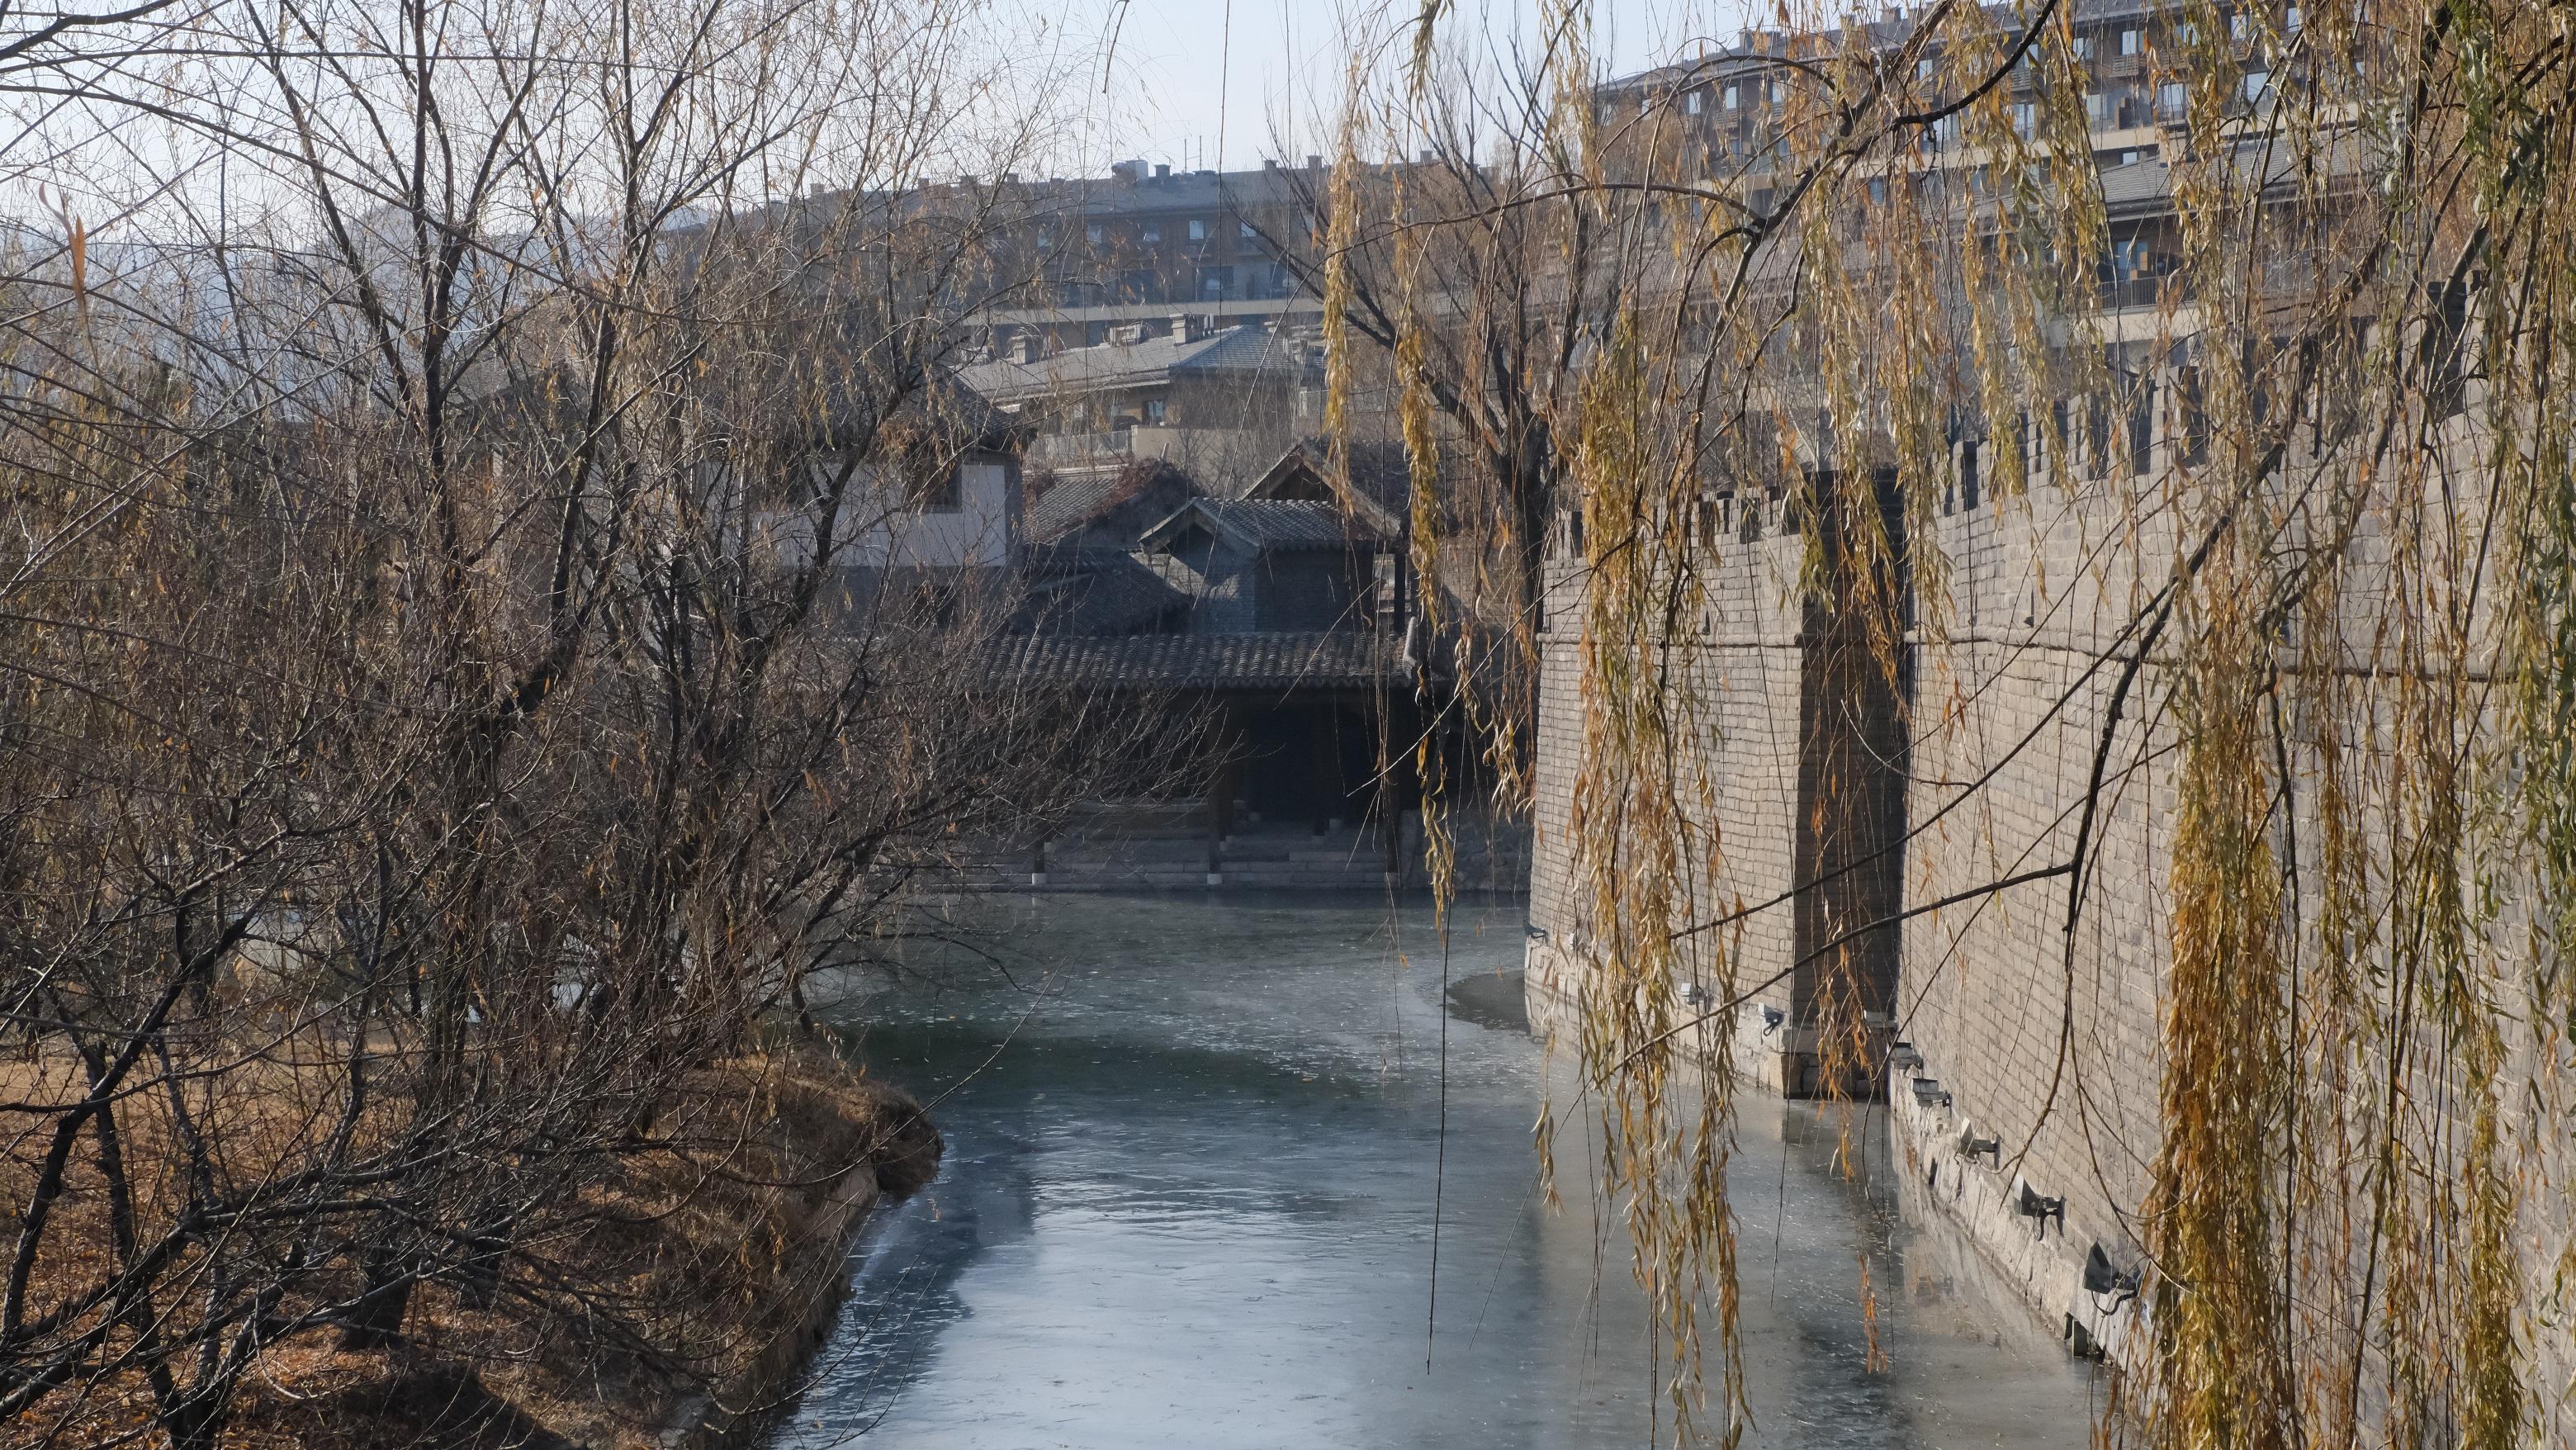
{"type": "Point", "coordinates": [1194, 1154]}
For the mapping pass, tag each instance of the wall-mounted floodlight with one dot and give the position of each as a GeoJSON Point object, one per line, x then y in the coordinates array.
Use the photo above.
{"type": "Point", "coordinates": [1772, 1017]}
{"type": "Point", "coordinates": [2101, 1276]}
{"type": "Point", "coordinates": [2034, 1204]}
{"type": "Point", "coordinates": [1904, 1055]}
{"type": "Point", "coordinates": [1693, 994]}
{"type": "Point", "coordinates": [1928, 1093]}
{"type": "Point", "coordinates": [1972, 1147]}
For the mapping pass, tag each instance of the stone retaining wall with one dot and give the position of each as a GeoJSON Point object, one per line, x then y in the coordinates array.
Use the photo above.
{"type": "Point", "coordinates": [2039, 1024]}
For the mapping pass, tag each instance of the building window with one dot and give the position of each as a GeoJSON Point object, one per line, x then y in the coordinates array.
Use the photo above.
{"type": "Point", "coordinates": [1152, 234]}
{"type": "Point", "coordinates": [1154, 412]}
{"type": "Point", "coordinates": [1092, 234]}
{"type": "Point", "coordinates": [2132, 42]}
{"type": "Point", "coordinates": [1198, 230]}
{"type": "Point", "coordinates": [1691, 103]}
{"type": "Point", "coordinates": [2097, 108]}
{"type": "Point", "coordinates": [2291, 22]}
{"type": "Point", "coordinates": [2084, 47]}
{"type": "Point", "coordinates": [2025, 117]}
{"type": "Point", "coordinates": [1244, 231]}
{"type": "Point", "coordinates": [1734, 95]}
{"type": "Point", "coordinates": [1923, 69]}
{"type": "Point", "coordinates": [2170, 100]}
{"type": "Point", "coordinates": [2256, 83]}
{"type": "Point", "coordinates": [939, 493]}
{"type": "Point", "coordinates": [1212, 283]}
{"type": "Point", "coordinates": [2236, 26]}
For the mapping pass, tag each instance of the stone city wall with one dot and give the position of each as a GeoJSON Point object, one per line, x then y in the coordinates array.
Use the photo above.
{"type": "Point", "coordinates": [2039, 1038]}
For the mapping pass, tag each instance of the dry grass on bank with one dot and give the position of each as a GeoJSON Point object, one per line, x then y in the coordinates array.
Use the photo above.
{"type": "Point", "coordinates": [726, 1252]}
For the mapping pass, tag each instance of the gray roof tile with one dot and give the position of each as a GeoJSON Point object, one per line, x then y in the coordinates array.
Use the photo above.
{"type": "Point", "coordinates": [1110, 365]}
{"type": "Point", "coordinates": [1275, 661]}
{"type": "Point", "coordinates": [1094, 592]}
{"type": "Point", "coordinates": [1106, 506]}
{"type": "Point", "coordinates": [1070, 502]}
{"type": "Point", "coordinates": [1266, 524]}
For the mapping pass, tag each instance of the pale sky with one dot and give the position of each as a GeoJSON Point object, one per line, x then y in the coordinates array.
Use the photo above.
{"type": "Point", "coordinates": [1201, 83]}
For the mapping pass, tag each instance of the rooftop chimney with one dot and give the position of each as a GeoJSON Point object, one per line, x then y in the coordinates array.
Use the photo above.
{"type": "Point", "coordinates": [1129, 172]}
{"type": "Point", "coordinates": [1314, 162]}
{"type": "Point", "coordinates": [1162, 173]}
{"type": "Point", "coordinates": [1426, 155]}
{"type": "Point", "coordinates": [1024, 347]}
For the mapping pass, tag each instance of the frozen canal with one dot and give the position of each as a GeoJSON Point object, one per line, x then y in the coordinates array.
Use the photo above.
{"type": "Point", "coordinates": [1188, 1202]}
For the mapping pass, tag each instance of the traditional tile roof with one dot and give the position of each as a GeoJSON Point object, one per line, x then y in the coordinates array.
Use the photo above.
{"type": "Point", "coordinates": [1093, 592]}
{"type": "Point", "coordinates": [1275, 661]}
{"type": "Point", "coordinates": [1113, 504]}
{"type": "Point", "coordinates": [1381, 479]}
{"type": "Point", "coordinates": [1071, 501]}
{"type": "Point", "coordinates": [1266, 525]}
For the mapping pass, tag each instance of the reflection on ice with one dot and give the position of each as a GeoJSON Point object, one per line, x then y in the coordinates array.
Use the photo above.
{"type": "Point", "coordinates": [1188, 1202]}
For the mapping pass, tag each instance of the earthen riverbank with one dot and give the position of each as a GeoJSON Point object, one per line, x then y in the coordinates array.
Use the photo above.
{"type": "Point", "coordinates": [727, 1256]}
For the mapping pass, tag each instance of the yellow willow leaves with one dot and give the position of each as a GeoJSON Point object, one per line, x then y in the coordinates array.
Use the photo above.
{"type": "Point", "coordinates": [1666, 1142]}
{"type": "Point", "coordinates": [1424, 524]}
{"type": "Point", "coordinates": [2218, 1373]}
{"type": "Point", "coordinates": [1341, 234]}
{"type": "Point", "coordinates": [2351, 746]}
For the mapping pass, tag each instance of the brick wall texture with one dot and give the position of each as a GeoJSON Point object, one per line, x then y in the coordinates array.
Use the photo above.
{"type": "Point", "coordinates": [2043, 1037]}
